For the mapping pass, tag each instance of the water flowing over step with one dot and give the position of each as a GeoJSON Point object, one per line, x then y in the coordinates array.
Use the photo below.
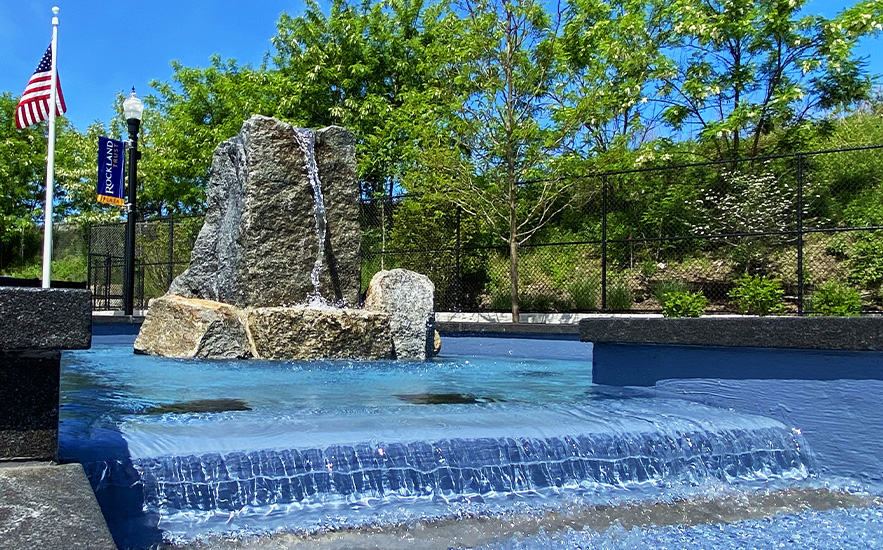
{"type": "Point", "coordinates": [193, 477]}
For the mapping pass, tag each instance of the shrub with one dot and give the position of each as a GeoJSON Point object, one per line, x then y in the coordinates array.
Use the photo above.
{"type": "Point", "coordinates": [866, 260]}
{"type": "Point", "coordinates": [72, 268]}
{"type": "Point", "coordinates": [662, 288]}
{"type": "Point", "coordinates": [684, 304]}
{"type": "Point", "coordinates": [501, 301]}
{"type": "Point", "coordinates": [756, 295]}
{"type": "Point", "coordinates": [535, 302]}
{"type": "Point", "coordinates": [585, 292]}
{"type": "Point", "coordinates": [619, 294]}
{"type": "Point", "coordinates": [835, 299]}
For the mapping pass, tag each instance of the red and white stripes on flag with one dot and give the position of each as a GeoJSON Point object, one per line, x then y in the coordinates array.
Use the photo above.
{"type": "Point", "coordinates": [33, 106]}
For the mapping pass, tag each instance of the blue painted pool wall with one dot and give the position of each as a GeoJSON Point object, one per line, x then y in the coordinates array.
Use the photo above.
{"type": "Point", "coordinates": [645, 364]}
{"type": "Point", "coordinates": [835, 398]}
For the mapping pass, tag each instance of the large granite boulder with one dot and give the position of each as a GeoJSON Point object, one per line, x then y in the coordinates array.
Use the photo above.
{"type": "Point", "coordinates": [259, 241]}
{"type": "Point", "coordinates": [302, 333]}
{"type": "Point", "coordinates": [407, 297]}
{"type": "Point", "coordinates": [253, 260]}
{"type": "Point", "coordinates": [189, 327]}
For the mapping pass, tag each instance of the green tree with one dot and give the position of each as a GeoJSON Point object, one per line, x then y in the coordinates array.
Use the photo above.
{"type": "Point", "coordinates": [23, 175]}
{"type": "Point", "coordinates": [186, 120]}
{"type": "Point", "coordinates": [740, 69]}
{"type": "Point", "coordinates": [499, 64]}
{"type": "Point", "coordinates": [611, 52]}
{"type": "Point", "coordinates": [363, 67]}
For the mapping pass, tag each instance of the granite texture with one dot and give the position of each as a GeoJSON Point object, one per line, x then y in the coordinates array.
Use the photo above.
{"type": "Point", "coordinates": [50, 507]}
{"type": "Point", "coordinates": [408, 298]}
{"type": "Point", "coordinates": [300, 333]}
{"type": "Point", "coordinates": [821, 333]}
{"type": "Point", "coordinates": [29, 384]}
{"type": "Point", "coordinates": [519, 330]}
{"type": "Point", "coordinates": [45, 319]}
{"type": "Point", "coordinates": [189, 327]}
{"type": "Point", "coordinates": [259, 243]}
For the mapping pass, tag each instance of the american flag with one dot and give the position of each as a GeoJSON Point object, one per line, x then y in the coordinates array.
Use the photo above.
{"type": "Point", "coordinates": [33, 106]}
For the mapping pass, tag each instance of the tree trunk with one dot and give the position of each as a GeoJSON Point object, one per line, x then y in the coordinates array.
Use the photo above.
{"type": "Point", "coordinates": [511, 180]}
{"type": "Point", "coordinates": [513, 262]}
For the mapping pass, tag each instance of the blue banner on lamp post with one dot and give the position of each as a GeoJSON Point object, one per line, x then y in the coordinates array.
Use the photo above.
{"type": "Point", "coordinates": [111, 160]}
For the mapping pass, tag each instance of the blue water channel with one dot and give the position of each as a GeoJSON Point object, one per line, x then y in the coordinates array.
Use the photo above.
{"type": "Point", "coordinates": [183, 451]}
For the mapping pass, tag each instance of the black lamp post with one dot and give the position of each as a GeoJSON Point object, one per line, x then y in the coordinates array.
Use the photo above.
{"type": "Point", "coordinates": [132, 109]}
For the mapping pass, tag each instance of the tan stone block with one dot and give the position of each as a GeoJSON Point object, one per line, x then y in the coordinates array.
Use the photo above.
{"type": "Point", "coordinates": [190, 327]}
{"type": "Point", "coordinates": [303, 333]}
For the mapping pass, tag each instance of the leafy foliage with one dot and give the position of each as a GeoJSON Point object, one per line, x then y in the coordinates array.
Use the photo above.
{"type": "Point", "coordinates": [684, 304]}
{"type": "Point", "coordinates": [835, 299]}
{"type": "Point", "coordinates": [757, 295]}
{"type": "Point", "coordinates": [751, 66]}
{"type": "Point", "coordinates": [619, 294]}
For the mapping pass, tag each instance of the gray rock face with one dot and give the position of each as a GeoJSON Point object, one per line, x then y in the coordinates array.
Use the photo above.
{"type": "Point", "coordinates": [36, 323]}
{"type": "Point", "coordinates": [259, 244]}
{"type": "Point", "coordinates": [50, 507]}
{"type": "Point", "coordinates": [407, 297]}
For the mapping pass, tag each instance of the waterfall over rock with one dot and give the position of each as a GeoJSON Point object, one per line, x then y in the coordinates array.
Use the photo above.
{"type": "Point", "coordinates": [281, 241]}
{"type": "Point", "coordinates": [259, 244]}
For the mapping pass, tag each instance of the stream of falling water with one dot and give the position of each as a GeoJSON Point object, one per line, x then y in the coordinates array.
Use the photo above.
{"type": "Point", "coordinates": [306, 139]}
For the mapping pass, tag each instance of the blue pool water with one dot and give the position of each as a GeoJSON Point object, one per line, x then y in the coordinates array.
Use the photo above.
{"type": "Point", "coordinates": [493, 428]}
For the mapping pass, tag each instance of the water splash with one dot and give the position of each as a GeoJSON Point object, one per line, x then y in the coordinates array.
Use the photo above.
{"type": "Point", "coordinates": [306, 139]}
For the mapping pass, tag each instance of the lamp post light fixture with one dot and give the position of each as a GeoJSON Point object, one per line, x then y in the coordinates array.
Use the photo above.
{"type": "Point", "coordinates": [132, 110]}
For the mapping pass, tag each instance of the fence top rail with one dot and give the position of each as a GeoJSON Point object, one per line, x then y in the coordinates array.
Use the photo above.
{"type": "Point", "coordinates": [607, 173]}
{"type": "Point", "coordinates": [662, 168]}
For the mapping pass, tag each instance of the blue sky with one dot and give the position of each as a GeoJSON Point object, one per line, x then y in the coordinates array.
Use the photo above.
{"type": "Point", "coordinates": [106, 47]}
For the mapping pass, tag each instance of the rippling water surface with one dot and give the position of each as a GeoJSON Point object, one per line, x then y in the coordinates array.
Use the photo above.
{"type": "Point", "coordinates": [436, 454]}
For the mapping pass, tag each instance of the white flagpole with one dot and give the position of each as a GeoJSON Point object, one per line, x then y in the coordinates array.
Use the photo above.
{"type": "Point", "coordinates": [50, 156]}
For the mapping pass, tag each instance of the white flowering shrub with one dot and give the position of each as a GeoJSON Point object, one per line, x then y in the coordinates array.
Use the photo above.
{"type": "Point", "coordinates": [746, 203]}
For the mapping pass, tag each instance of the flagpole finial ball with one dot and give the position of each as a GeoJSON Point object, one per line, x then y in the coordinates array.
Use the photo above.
{"type": "Point", "coordinates": [55, 10]}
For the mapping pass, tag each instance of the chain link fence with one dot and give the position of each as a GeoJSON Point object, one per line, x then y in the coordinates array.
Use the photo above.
{"type": "Point", "coordinates": [812, 222]}
{"type": "Point", "coordinates": [162, 252]}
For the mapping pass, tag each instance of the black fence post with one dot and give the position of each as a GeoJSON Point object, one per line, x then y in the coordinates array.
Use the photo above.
{"type": "Point", "coordinates": [107, 274]}
{"type": "Point", "coordinates": [800, 288]}
{"type": "Point", "coordinates": [89, 256]}
{"type": "Point", "coordinates": [141, 284]}
{"type": "Point", "coordinates": [171, 250]}
{"type": "Point", "coordinates": [457, 280]}
{"type": "Point", "coordinates": [604, 243]}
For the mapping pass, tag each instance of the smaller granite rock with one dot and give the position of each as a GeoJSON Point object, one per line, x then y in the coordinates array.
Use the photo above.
{"type": "Point", "coordinates": [189, 327]}
{"type": "Point", "coordinates": [304, 333]}
{"type": "Point", "coordinates": [407, 297]}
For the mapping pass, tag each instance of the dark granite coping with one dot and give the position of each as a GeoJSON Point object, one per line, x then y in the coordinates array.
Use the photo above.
{"type": "Point", "coordinates": [821, 333]}
{"type": "Point", "coordinates": [50, 507]}
{"type": "Point", "coordinates": [45, 319]}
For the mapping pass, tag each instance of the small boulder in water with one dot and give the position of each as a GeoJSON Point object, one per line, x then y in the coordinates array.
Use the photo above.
{"type": "Point", "coordinates": [189, 327]}
{"type": "Point", "coordinates": [407, 297]}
